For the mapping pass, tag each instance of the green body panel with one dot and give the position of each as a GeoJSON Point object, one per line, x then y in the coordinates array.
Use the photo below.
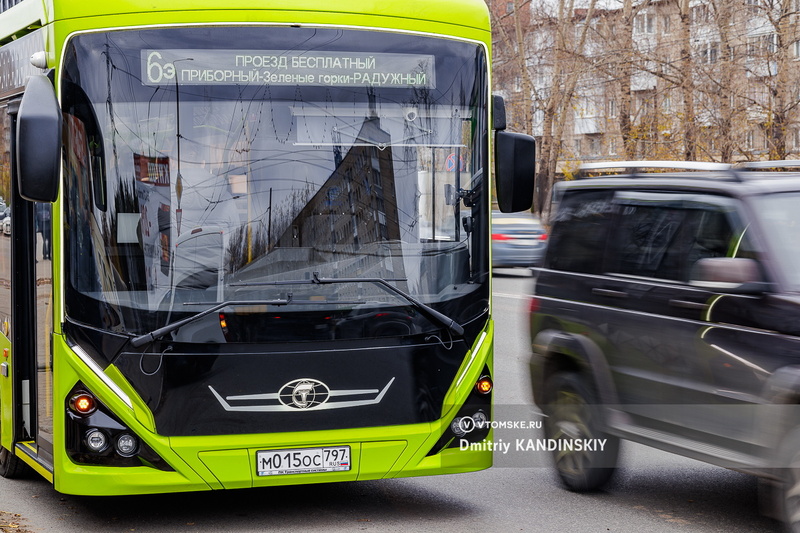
{"type": "Point", "coordinates": [6, 397]}
{"type": "Point", "coordinates": [206, 463]}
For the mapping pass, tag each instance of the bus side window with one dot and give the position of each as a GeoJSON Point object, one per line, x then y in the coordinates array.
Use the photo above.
{"type": "Point", "coordinates": [5, 224]}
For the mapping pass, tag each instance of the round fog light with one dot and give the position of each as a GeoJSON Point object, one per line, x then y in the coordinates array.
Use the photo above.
{"type": "Point", "coordinates": [126, 445]}
{"type": "Point", "coordinates": [457, 426]}
{"type": "Point", "coordinates": [96, 440]}
{"type": "Point", "coordinates": [480, 419]}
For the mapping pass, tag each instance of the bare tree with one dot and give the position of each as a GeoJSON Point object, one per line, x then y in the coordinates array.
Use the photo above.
{"type": "Point", "coordinates": [682, 79]}
{"type": "Point", "coordinates": [510, 61]}
{"type": "Point", "coordinates": [567, 69]}
{"type": "Point", "coordinates": [780, 83]}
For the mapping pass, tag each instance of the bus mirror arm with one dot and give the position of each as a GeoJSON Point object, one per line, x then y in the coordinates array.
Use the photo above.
{"type": "Point", "coordinates": [38, 141]}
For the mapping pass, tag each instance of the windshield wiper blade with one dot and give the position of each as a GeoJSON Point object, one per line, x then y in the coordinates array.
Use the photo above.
{"type": "Point", "coordinates": [443, 320]}
{"type": "Point", "coordinates": [452, 326]}
{"type": "Point", "coordinates": [169, 328]}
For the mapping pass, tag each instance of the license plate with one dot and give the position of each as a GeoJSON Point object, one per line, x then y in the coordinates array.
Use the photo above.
{"type": "Point", "coordinates": [302, 460]}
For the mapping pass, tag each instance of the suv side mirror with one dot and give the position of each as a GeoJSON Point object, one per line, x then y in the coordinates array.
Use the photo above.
{"type": "Point", "coordinates": [728, 274]}
{"type": "Point", "coordinates": [39, 141]}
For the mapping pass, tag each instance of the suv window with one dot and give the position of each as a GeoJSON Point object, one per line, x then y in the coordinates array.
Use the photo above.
{"type": "Point", "coordinates": [664, 239]}
{"type": "Point", "coordinates": [780, 217]}
{"type": "Point", "coordinates": [580, 231]}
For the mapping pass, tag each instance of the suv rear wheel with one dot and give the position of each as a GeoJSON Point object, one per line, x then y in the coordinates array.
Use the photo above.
{"type": "Point", "coordinates": [573, 415]}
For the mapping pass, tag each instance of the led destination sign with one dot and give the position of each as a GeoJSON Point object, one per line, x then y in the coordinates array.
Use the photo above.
{"type": "Point", "coordinates": [286, 67]}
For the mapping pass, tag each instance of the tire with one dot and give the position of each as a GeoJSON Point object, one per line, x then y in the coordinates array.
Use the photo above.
{"type": "Point", "coordinates": [573, 415]}
{"type": "Point", "coordinates": [11, 466]}
{"type": "Point", "coordinates": [787, 498]}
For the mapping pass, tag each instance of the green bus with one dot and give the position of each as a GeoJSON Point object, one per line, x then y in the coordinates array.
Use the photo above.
{"type": "Point", "coordinates": [248, 241]}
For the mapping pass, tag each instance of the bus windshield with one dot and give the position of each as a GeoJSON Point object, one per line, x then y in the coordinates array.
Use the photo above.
{"type": "Point", "coordinates": [214, 165]}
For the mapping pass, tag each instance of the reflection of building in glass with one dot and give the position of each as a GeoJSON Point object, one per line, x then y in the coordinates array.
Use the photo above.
{"type": "Point", "coordinates": [353, 216]}
{"type": "Point", "coordinates": [356, 208]}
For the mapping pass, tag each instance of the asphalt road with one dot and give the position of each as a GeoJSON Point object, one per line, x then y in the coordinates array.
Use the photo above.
{"type": "Point", "coordinates": [652, 492]}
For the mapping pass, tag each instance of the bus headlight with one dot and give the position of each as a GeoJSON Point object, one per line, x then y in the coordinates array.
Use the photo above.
{"type": "Point", "coordinates": [96, 440]}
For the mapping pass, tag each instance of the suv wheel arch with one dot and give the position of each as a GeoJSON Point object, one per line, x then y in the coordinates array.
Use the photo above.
{"type": "Point", "coordinates": [566, 351]}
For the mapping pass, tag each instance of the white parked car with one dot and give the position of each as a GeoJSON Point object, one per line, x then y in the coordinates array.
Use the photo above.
{"type": "Point", "coordinates": [7, 226]}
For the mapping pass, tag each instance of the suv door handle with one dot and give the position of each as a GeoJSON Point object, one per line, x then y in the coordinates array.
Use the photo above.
{"type": "Point", "coordinates": [610, 293]}
{"type": "Point", "coordinates": [685, 304]}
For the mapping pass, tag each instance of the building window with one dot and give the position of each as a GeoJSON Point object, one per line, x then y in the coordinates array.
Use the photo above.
{"type": "Point", "coordinates": [594, 145]}
{"type": "Point", "coordinates": [577, 146]}
{"type": "Point", "coordinates": [611, 108]}
{"type": "Point", "coordinates": [709, 53]}
{"type": "Point", "coordinates": [762, 45]}
{"type": "Point", "coordinates": [701, 14]}
{"type": "Point", "coordinates": [645, 105]}
{"type": "Point", "coordinates": [666, 24]}
{"type": "Point", "coordinates": [644, 23]}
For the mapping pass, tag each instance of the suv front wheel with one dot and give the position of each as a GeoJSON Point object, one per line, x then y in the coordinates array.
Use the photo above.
{"type": "Point", "coordinates": [585, 457]}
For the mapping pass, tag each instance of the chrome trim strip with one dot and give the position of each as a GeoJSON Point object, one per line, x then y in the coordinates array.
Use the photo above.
{"type": "Point", "coordinates": [472, 356]}
{"type": "Point", "coordinates": [95, 368]}
{"type": "Point", "coordinates": [275, 395]}
{"type": "Point", "coordinates": [285, 408]}
{"type": "Point", "coordinates": [688, 165]}
{"type": "Point", "coordinates": [707, 325]}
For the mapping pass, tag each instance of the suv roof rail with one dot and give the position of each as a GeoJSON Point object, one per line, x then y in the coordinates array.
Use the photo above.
{"type": "Point", "coordinates": [779, 163]}
{"type": "Point", "coordinates": [635, 166]}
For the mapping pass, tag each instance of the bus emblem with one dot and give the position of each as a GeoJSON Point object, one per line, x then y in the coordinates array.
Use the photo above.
{"type": "Point", "coordinates": [304, 393]}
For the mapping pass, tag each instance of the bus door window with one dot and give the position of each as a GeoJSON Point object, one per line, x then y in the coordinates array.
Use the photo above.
{"type": "Point", "coordinates": [5, 229]}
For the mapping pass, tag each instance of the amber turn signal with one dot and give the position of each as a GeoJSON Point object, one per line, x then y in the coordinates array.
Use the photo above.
{"type": "Point", "coordinates": [484, 385]}
{"type": "Point", "coordinates": [83, 403]}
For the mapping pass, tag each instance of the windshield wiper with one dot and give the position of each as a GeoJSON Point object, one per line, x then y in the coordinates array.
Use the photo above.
{"type": "Point", "coordinates": [443, 320]}
{"type": "Point", "coordinates": [169, 328]}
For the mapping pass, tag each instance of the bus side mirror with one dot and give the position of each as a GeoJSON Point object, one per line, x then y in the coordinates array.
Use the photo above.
{"type": "Point", "coordinates": [498, 112]}
{"type": "Point", "coordinates": [515, 167]}
{"type": "Point", "coordinates": [39, 141]}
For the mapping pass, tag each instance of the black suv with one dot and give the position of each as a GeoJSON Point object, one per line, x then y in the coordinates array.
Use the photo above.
{"type": "Point", "coordinates": [667, 312]}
